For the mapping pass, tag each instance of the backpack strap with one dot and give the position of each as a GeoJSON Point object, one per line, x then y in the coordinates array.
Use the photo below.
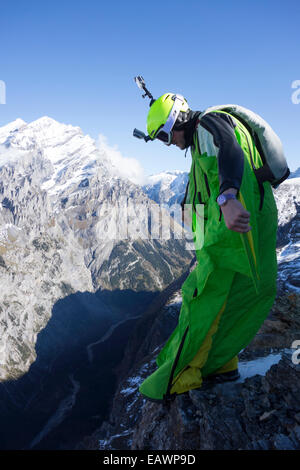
{"type": "Point", "coordinates": [263, 173]}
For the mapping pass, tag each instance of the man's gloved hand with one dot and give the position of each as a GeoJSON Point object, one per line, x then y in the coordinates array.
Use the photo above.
{"type": "Point", "coordinates": [235, 216]}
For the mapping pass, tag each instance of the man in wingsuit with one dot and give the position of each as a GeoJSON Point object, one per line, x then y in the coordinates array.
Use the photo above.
{"type": "Point", "coordinates": [229, 294]}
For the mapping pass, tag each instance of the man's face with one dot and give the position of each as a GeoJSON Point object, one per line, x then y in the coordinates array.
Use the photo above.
{"type": "Point", "coordinates": [178, 139]}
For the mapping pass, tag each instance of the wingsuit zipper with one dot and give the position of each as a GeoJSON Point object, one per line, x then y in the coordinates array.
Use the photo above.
{"type": "Point", "coordinates": [206, 184]}
{"type": "Point", "coordinates": [185, 196]}
{"type": "Point", "coordinates": [220, 217]}
{"type": "Point", "coordinates": [205, 175]}
{"type": "Point", "coordinates": [168, 397]}
{"type": "Point", "coordinates": [195, 187]}
{"type": "Point", "coordinates": [198, 192]}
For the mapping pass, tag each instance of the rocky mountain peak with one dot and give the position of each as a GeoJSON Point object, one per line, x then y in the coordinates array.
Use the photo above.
{"type": "Point", "coordinates": [59, 206]}
{"type": "Point", "coordinates": [10, 128]}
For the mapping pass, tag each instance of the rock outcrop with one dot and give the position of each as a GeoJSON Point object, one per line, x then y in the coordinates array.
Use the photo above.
{"type": "Point", "coordinates": [262, 413]}
{"type": "Point", "coordinates": [259, 411]}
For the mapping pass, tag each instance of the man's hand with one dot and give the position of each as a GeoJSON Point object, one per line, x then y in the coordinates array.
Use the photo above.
{"type": "Point", "coordinates": [235, 216]}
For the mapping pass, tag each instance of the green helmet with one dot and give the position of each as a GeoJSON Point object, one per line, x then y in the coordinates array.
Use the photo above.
{"type": "Point", "coordinates": [163, 114]}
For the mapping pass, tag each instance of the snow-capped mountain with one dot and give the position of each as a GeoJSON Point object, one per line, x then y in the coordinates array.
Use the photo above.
{"type": "Point", "coordinates": [69, 224]}
{"type": "Point", "coordinates": [167, 187]}
{"type": "Point", "coordinates": [287, 198]}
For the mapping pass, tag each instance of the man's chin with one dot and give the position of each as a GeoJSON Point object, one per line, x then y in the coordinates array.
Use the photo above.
{"type": "Point", "coordinates": [180, 146]}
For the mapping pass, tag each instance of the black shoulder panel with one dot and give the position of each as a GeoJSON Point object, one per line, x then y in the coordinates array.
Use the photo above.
{"type": "Point", "coordinates": [230, 155]}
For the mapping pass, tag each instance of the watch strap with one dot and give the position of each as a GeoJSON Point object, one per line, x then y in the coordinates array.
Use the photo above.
{"type": "Point", "coordinates": [225, 198]}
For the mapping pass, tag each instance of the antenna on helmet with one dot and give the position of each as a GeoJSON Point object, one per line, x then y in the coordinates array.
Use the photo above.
{"type": "Point", "coordinates": [142, 86]}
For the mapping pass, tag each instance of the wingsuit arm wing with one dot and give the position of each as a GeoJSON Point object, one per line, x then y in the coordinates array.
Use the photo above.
{"type": "Point", "coordinates": [217, 137]}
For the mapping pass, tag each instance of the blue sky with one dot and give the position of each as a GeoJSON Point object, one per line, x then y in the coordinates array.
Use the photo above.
{"type": "Point", "coordinates": [75, 61]}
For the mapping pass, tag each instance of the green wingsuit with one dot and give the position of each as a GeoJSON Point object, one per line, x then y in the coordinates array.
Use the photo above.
{"type": "Point", "coordinates": [228, 295]}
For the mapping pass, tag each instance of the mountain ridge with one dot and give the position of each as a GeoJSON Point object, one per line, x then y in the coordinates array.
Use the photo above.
{"type": "Point", "coordinates": [60, 202]}
{"type": "Point", "coordinates": [55, 189]}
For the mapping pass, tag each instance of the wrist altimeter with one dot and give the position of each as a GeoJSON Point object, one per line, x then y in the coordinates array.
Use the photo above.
{"type": "Point", "coordinates": [223, 198]}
